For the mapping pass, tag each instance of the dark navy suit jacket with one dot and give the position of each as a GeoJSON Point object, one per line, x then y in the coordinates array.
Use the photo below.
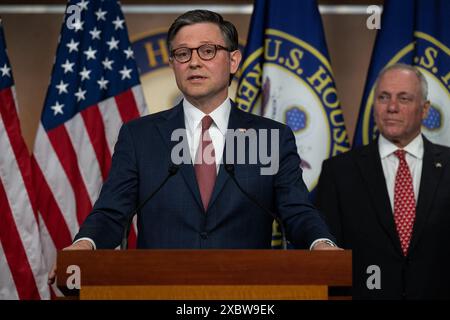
{"type": "Point", "coordinates": [175, 217]}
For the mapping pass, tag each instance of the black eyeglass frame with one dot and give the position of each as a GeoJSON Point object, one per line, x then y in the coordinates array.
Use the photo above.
{"type": "Point", "coordinates": [216, 47]}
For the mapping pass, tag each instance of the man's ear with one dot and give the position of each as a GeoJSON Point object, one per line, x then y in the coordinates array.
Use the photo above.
{"type": "Point", "coordinates": [426, 108]}
{"type": "Point", "coordinates": [235, 60]}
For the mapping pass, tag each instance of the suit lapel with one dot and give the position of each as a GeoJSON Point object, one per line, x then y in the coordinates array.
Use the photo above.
{"type": "Point", "coordinates": [174, 121]}
{"type": "Point", "coordinates": [370, 166]}
{"type": "Point", "coordinates": [432, 168]}
{"type": "Point", "coordinates": [238, 120]}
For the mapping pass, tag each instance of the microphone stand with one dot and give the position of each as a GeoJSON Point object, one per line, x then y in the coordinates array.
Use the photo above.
{"type": "Point", "coordinates": [173, 169]}
{"type": "Point", "coordinates": [230, 170]}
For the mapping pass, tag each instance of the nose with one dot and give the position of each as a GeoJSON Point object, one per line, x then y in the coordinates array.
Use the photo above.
{"type": "Point", "coordinates": [195, 60]}
{"type": "Point", "coordinates": [393, 105]}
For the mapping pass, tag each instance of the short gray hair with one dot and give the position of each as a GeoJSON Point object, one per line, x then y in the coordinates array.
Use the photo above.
{"type": "Point", "coordinates": [413, 69]}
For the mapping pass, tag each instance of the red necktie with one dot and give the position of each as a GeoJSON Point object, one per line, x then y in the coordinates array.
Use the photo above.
{"type": "Point", "coordinates": [404, 202]}
{"type": "Point", "coordinates": [205, 163]}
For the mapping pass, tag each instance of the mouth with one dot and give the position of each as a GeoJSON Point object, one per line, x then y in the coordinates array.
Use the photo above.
{"type": "Point", "coordinates": [196, 78]}
{"type": "Point", "coordinates": [392, 121]}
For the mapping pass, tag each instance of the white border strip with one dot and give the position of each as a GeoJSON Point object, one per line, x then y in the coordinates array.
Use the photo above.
{"type": "Point", "coordinates": [167, 9]}
{"type": "Point", "coordinates": [32, 9]}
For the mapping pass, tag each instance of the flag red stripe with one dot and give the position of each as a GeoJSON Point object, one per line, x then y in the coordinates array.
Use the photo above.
{"type": "Point", "coordinates": [15, 252]}
{"type": "Point", "coordinates": [60, 140]}
{"type": "Point", "coordinates": [49, 210]}
{"type": "Point", "coordinates": [53, 295]}
{"type": "Point", "coordinates": [12, 126]}
{"type": "Point", "coordinates": [127, 106]}
{"type": "Point", "coordinates": [96, 130]}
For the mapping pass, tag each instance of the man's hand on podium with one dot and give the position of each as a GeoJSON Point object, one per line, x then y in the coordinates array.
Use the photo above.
{"type": "Point", "coordinates": [79, 245]}
{"type": "Point", "coordinates": [322, 245]}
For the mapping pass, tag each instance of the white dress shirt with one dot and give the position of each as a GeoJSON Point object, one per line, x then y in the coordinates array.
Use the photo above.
{"type": "Point", "coordinates": [193, 122]}
{"type": "Point", "coordinates": [389, 161]}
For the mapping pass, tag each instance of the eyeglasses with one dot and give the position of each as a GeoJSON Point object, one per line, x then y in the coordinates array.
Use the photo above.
{"type": "Point", "coordinates": [205, 52]}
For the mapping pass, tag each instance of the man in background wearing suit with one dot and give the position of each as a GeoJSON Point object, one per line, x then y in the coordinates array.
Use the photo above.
{"type": "Point", "coordinates": [389, 201]}
{"type": "Point", "coordinates": [200, 206]}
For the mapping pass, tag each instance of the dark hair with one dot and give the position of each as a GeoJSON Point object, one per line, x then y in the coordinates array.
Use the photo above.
{"type": "Point", "coordinates": [228, 30]}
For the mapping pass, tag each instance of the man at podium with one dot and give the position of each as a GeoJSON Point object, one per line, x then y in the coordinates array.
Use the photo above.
{"type": "Point", "coordinates": [211, 199]}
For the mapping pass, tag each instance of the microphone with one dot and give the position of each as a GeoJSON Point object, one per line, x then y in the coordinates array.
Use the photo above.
{"type": "Point", "coordinates": [229, 168]}
{"type": "Point", "coordinates": [173, 169]}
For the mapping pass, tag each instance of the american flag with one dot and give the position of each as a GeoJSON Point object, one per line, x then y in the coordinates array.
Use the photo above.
{"type": "Point", "coordinates": [22, 270]}
{"type": "Point", "coordinates": [94, 89]}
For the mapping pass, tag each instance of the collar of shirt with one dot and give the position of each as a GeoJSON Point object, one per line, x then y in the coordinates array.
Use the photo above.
{"type": "Point", "coordinates": [193, 116]}
{"type": "Point", "coordinates": [414, 148]}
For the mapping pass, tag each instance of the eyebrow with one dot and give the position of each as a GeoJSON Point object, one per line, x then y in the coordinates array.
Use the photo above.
{"type": "Point", "coordinates": [183, 44]}
{"type": "Point", "coordinates": [398, 94]}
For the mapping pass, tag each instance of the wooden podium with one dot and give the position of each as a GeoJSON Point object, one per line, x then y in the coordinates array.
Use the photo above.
{"type": "Point", "coordinates": [207, 274]}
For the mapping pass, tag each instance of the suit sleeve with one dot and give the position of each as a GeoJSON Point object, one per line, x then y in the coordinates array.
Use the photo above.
{"type": "Point", "coordinates": [105, 224]}
{"type": "Point", "coordinates": [327, 200]}
{"type": "Point", "coordinates": [302, 220]}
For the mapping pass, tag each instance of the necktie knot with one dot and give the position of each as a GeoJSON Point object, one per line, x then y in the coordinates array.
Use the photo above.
{"type": "Point", "coordinates": [206, 122]}
{"type": "Point", "coordinates": [400, 154]}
